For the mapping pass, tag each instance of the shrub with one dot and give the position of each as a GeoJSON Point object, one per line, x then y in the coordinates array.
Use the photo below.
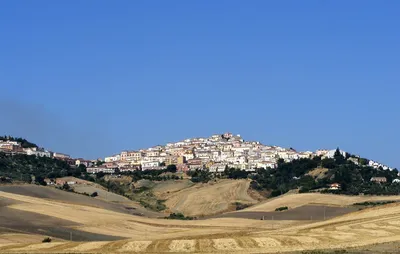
{"type": "Point", "coordinates": [374, 203]}
{"type": "Point", "coordinates": [46, 240]}
{"type": "Point", "coordinates": [179, 216]}
{"type": "Point", "coordinates": [283, 208]}
{"type": "Point", "coordinates": [275, 193]}
{"type": "Point", "coordinates": [240, 206]}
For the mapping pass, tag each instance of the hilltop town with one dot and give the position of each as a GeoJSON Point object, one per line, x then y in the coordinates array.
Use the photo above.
{"type": "Point", "coordinates": [215, 154]}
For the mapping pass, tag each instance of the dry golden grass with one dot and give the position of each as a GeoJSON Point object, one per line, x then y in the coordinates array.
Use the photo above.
{"type": "Point", "coordinates": [370, 226]}
{"type": "Point", "coordinates": [209, 198]}
{"type": "Point", "coordinates": [318, 173]}
{"type": "Point", "coordinates": [297, 200]}
{"type": "Point", "coordinates": [13, 238]}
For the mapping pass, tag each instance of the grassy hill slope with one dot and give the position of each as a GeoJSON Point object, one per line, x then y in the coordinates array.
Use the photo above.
{"type": "Point", "coordinates": [208, 198]}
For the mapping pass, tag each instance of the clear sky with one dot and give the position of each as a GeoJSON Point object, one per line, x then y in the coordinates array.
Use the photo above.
{"type": "Point", "coordinates": [91, 78]}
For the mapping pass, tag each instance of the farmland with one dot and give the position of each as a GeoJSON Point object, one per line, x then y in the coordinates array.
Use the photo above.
{"type": "Point", "coordinates": [109, 228]}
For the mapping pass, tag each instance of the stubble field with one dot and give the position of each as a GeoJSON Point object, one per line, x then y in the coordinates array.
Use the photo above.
{"type": "Point", "coordinates": [135, 234]}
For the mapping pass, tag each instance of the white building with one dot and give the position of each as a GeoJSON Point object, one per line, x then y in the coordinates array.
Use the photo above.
{"type": "Point", "coordinates": [94, 170]}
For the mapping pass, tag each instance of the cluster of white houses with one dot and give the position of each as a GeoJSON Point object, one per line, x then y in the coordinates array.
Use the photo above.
{"type": "Point", "coordinates": [214, 153]}
{"type": "Point", "coordinates": [14, 147]}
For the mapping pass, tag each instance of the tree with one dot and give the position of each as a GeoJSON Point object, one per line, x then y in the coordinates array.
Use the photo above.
{"type": "Point", "coordinates": [363, 161]}
{"type": "Point", "coordinates": [40, 180]}
{"type": "Point", "coordinates": [172, 168]}
{"type": "Point", "coordinates": [338, 156]}
{"type": "Point", "coordinates": [66, 186]}
{"type": "Point", "coordinates": [99, 163]}
{"type": "Point", "coordinates": [46, 240]}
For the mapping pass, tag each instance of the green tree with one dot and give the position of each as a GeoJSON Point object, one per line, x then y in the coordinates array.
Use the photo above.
{"type": "Point", "coordinates": [66, 187]}
{"type": "Point", "coordinates": [172, 168]}
{"type": "Point", "coordinates": [338, 156]}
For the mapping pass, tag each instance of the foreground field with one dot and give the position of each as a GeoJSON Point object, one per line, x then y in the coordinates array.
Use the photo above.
{"type": "Point", "coordinates": [206, 199]}
{"type": "Point", "coordinates": [130, 233]}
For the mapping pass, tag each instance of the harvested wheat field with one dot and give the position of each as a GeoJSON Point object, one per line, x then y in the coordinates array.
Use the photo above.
{"type": "Point", "coordinates": [377, 225]}
{"type": "Point", "coordinates": [209, 198]}
{"type": "Point", "coordinates": [110, 201]}
{"type": "Point", "coordinates": [164, 188]}
{"type": "Point", "coordinates": [297, 200]}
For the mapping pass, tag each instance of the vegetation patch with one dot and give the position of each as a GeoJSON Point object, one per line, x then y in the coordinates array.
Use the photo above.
{"type": "Point", "coordinates": [374, 203]}
{"type": "Point", "coordinates": [47, 240]}
{"type": "Point", "coordinates": [179, 216]}
{"type": "Point", "coordinates": [153, 204]}
{"type": "Point", "coordinates": [282, 208]}
{"type": "Point", "coordinates": [240, 206]}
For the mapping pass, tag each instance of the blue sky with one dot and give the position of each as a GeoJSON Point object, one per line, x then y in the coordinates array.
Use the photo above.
{"type": "Point", "coordinates": [91, 78]}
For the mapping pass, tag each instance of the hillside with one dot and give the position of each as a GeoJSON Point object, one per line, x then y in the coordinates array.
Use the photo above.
{"type": "Point", "coordinates": [50, 193]}
{"type": "Point", "coordinates": [362, 228]}
{"type": "Point", "coordinates": [206, 199]}
{"type": "Point", "coordinates": [297, 200]}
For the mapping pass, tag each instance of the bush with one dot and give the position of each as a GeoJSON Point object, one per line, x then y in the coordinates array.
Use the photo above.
{"type": "Point", "coordinates": [304, 190]}
{"type": "Point", "coordinates": [283, 208]}
{"type": "Point", "coordinates": [240, 206]}
{"type": "Point", "coordinates": [179, 216]}
{"type": "Point", "coordinates": [66, 187]}
{"type": "Point", "coordinates": [374, 203]}
{"type": "Point", "coordinates": [46, 240]}
{"type": "Point", "coordinates": [275, 193]}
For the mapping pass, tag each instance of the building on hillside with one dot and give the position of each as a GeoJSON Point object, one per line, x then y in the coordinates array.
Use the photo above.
{"type": "Point", "coordinates": [182, 167]}
{"type": "Point", "coordinates": [61, 156]}
{"type": "Point", "coordinates": [219, 167]}
{"type": "Point", "coordinates": [331, 154]}
{"type": "Point", "coordinates": [148, 165]}
{"type": "Point", "coordinates": [94, 170]}
{"type": "Point", "coordinates": [194, 164]}
{"type": "Point", "coordinates": [6, 147]}
{"type": "Point", "coordinates": [69, 180]}
{"type": "Point", "coordinates": [181, 160]}
{"type": "Point", "coordinates": [227, 135]}
{"type": "Point", "coordinates": [129, 169]}
{"type": "Point", "coordinates": [86, 163]}
{"type": "Point", "coordinates": [110, 165]}
{"type": "Point", "coordinates": [113, 158]}
{"type": "Point", "coordinates": [39, 152]}
{"type": "Point", "coordinates": [377, 179]}
{"type": "Point", "coordinates": [49, 181]}
{"type": "Point", "coordinates": [334, 186]}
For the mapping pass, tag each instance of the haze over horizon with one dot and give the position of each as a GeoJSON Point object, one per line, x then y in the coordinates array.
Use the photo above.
{"type": "Point", "coordinates": [93, 78]}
